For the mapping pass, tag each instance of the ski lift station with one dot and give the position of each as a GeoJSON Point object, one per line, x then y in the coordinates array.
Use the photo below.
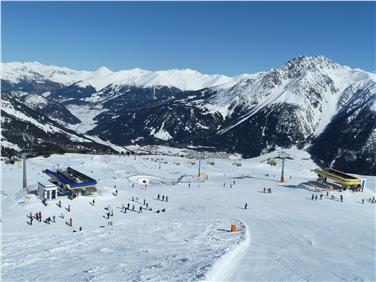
{"type": "Point", "coordinates": [346, 181]}
{"type": "Point", "coordinates": [47, 191]}
{"type": "Point", "coordinates": [71, 182]}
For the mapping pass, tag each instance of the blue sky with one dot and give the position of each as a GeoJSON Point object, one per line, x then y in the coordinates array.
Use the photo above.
{"type": "Point", "coordinates": [228, 38]}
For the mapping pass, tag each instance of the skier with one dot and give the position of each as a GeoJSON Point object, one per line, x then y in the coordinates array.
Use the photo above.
{"type": "Point", "coordinates": [224, 184]}
{"type": "Point", "coordinates": [116, 192]}
{"type": "Point", "coordinates": [163, 210]}
{"type": "Point", "coordinates": [80, 229]}
{"type": "Point", "coordinates": [53, 219]}
{"type": "Point", "coordinates": [132, 207]}
{"type": "Point", "coordinates": [264, 190]}
{"type": "Point", "coordinates": [159, 196]}
{"type": "Point", "coordinates": [144, 202]}
{"type": "Point", "coordinates": [68, 209]}
{"type": "Point", "coordinates": [128, 206]}
{"type": "Point", "coordinates": [157, 211]}
{"type": "Point", "coordinates": [132, 199]}
{"type": "Point", "coordinates": [93, 202]}
{"type": "Point", "coordinates": [316, 198]}
{"type": "Point", "coordinates": [327, 193]}
{"type": "Point", "coordinates": [166, 198]}
{"type": "Point", "coordinates": [133, 185]}
{"type": "Point", "coordinates": [189, 185]}
{"type": "Point", "coordinates": [59, 203]}
{"type": "Point", "coordinates": [320, 196]}
{"type": "Point", "coordinates": [362, 201]}
{"type": "Point", "coordinates": [40, 217]}
{"type": "Point", "coordinates": [112, 212]}
{"type": "Point", "coordinates": [31, 221]}
{"type": "Point", "coordinates": [108, 215]}
{"type": "Point", "coordinates": [140, 210]}
{"type": "Point", "coordinates": [147, 205]}
{"type": "Point", "coordinates": [70, 221]}
{"type": "Point", "coordinates": [245, 206]}
{"type": "Point", "coordinates": [341, 198]}
{"type": "Point", "coordinates": [162, 198]}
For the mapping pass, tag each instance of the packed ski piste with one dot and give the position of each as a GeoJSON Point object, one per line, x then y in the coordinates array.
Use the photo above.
{"type": "Point", "coordinates": [157, 217]}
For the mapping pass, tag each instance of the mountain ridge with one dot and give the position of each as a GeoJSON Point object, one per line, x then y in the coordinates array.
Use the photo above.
{"type": "Point", "coordinates": [304, 102]}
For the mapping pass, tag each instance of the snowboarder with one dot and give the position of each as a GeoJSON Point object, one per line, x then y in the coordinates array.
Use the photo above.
{"type": "Point", "coordinates": [163, 210]}
{"type": "Point", "coordinates": [341, 198]}
{"type": "Point", "coordinates": [245, 206]}
{"type": "Point", "coordinates": [157, 211]}
{"type": "Point", "coordinates": [313, 197]}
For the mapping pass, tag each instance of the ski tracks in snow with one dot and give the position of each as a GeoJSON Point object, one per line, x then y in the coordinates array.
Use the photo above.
{"type": "Point", "coordinates": [225, 268]}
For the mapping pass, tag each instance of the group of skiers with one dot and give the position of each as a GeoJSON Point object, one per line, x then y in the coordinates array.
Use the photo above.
{"type": "Point", "coordinates": [231, 184]}
{"type": "Point", "coordinates": [269, 190]}
{"type": "Point", "coordinates": [163, 198]}
{"type": "Point", "coordinates": [315, 197]}
{"type": "Point", "coordinates": [370, 200]}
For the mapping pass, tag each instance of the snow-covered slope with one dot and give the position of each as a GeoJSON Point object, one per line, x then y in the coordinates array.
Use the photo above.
{"type": "Point", "coordinates": [288, 236]}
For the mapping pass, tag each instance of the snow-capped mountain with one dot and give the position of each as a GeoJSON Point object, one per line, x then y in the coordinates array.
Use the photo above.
{"type": "Point", "coordinates": [310, 102]}
{"type": "Point", "coordinates": [185, 79]}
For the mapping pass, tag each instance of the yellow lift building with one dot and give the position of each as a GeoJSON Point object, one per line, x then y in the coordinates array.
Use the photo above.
{"type": "Point", "coordinates": [345, 180]}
